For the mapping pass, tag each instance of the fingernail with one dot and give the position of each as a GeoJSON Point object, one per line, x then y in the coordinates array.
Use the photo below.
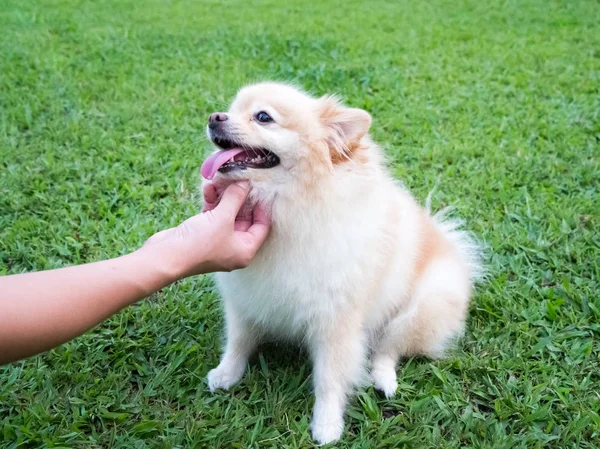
{"type": "Point", "coordinates": [243, 184]}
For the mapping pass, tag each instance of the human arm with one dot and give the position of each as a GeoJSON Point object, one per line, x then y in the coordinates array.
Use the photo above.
{"type": "Point", "coordinates": [39, 311]}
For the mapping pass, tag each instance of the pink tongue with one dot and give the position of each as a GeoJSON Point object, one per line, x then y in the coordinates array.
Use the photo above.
{"type": "Point", "coordinates": [215, 161]}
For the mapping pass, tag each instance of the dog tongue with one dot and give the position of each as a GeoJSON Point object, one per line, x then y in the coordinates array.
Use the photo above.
{"type": "Point", "coordinates": [215, 161]}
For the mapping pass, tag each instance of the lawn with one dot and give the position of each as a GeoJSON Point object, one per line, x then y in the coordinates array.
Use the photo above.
{"type": "Point", "coordinates": [103, 106]}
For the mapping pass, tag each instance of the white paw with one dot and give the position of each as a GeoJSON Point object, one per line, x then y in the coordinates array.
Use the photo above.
{"type": "Point", "coordinates": [326, 432]}
{"type": "Point", "coordinates": [385, 380]}
{"type": "Point", "coordinates": [223, 377]}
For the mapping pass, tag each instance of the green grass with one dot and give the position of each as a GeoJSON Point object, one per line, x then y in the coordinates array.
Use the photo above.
{"type": "Point", "coordinates": [102, 112]}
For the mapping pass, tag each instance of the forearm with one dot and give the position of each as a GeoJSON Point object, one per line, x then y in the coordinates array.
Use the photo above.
{"type": "Point", "coordinates": [39, 311]}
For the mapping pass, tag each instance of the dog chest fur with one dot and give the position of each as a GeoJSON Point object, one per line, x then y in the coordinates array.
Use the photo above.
{"type": "Point", "coordinates": [319, 261]}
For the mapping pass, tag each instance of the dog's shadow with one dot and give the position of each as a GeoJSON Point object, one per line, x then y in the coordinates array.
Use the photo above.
{"type": "Point", "coordinates": [280, 356]}
{"type": "Point", "coordinates": [281, 368]}
{"type": "Point", "coordinates": [276, 363]}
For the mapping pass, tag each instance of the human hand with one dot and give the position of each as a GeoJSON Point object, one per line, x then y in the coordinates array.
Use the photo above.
{"type": "Point", "coordinates": [224, 237]}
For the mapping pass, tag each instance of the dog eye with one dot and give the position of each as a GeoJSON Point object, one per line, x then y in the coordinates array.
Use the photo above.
{"type": "Point", "coordinates": [263, 117]}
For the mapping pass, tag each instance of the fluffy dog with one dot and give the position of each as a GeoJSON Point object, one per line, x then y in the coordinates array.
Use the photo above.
{"type": "Point", "coordinates": [353, 267]}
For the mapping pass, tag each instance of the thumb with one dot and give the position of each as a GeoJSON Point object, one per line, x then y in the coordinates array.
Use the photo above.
{"type": "Point", "coordinates": [232, 200]}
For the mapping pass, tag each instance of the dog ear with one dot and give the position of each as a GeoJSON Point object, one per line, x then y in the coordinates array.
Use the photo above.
{"type": "Point", "coordinates": [345, 127]}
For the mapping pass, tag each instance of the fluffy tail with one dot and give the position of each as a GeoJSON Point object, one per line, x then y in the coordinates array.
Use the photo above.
{"type": "Point", "coordinates": [469, 247]}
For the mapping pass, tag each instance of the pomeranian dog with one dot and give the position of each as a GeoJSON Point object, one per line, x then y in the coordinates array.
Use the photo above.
{"type": "Point", "coordinates": [353, 267]}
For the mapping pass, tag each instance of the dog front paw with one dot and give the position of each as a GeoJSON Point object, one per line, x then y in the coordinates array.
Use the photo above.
{"type": "Point", "coordinates": [327, 431]}
{"type": "Point", "coordinates": [383, 374]}
{"type": "Point", "coordinates": [385, 381]}
{"type": "Point", "coordinates": [223, 378]}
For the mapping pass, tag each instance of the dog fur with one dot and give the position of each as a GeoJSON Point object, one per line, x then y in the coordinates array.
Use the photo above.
{"type": "Point", "coordinates": [353, 267]}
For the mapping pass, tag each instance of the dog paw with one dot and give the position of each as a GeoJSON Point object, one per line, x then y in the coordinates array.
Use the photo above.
{"type": "Point", "coordinates": [326, 432]}
{"type": "Point", "coordinates": [385, 381]}
{"type": "Point", "coordinates": [223, 378]}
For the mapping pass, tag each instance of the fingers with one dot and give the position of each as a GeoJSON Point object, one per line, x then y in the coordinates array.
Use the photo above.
{"type": "Point", "coordinates": [211, 197]}
{"type": "Point", "coordinates": [242, 225]}
{"type": "Point", "coordinates": [257, 234]}
{"type": "Point", "coordinates": [261, 215]}
{"type": "Point", "coordinates": [244, 218]}
{"type": "Point", "coordinates": [232, 200]}
{"type": "Point", "coordinates": [261, 225]}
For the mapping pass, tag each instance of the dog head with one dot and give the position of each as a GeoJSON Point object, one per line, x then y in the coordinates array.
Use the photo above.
{"type": "Point", "coordinates": [274, 133]}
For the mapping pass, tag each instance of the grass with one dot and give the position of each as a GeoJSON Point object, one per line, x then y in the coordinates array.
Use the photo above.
{"type": "Point", "coordinates": [102, 111]}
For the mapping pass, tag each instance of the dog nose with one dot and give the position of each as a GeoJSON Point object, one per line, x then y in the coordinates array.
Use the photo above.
{"type": "Point", "coordinates": [215, 119]}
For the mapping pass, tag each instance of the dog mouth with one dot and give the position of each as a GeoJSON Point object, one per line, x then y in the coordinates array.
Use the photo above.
{"type": "Point", "coordinates": [234, 156]}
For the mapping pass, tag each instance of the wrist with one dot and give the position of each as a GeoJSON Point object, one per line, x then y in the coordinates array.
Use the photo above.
{"type": "Point", "coordinates": [159, 268]}
{"type": "Point", "coordinates": [170, 262]}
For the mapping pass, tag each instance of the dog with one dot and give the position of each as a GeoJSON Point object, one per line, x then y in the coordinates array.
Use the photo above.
{"type": "Point", "coordinates": [353, 267]}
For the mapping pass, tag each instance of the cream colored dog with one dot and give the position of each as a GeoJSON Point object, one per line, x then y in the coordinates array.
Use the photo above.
{"type": "Point", "coordinates": [353, 266]}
